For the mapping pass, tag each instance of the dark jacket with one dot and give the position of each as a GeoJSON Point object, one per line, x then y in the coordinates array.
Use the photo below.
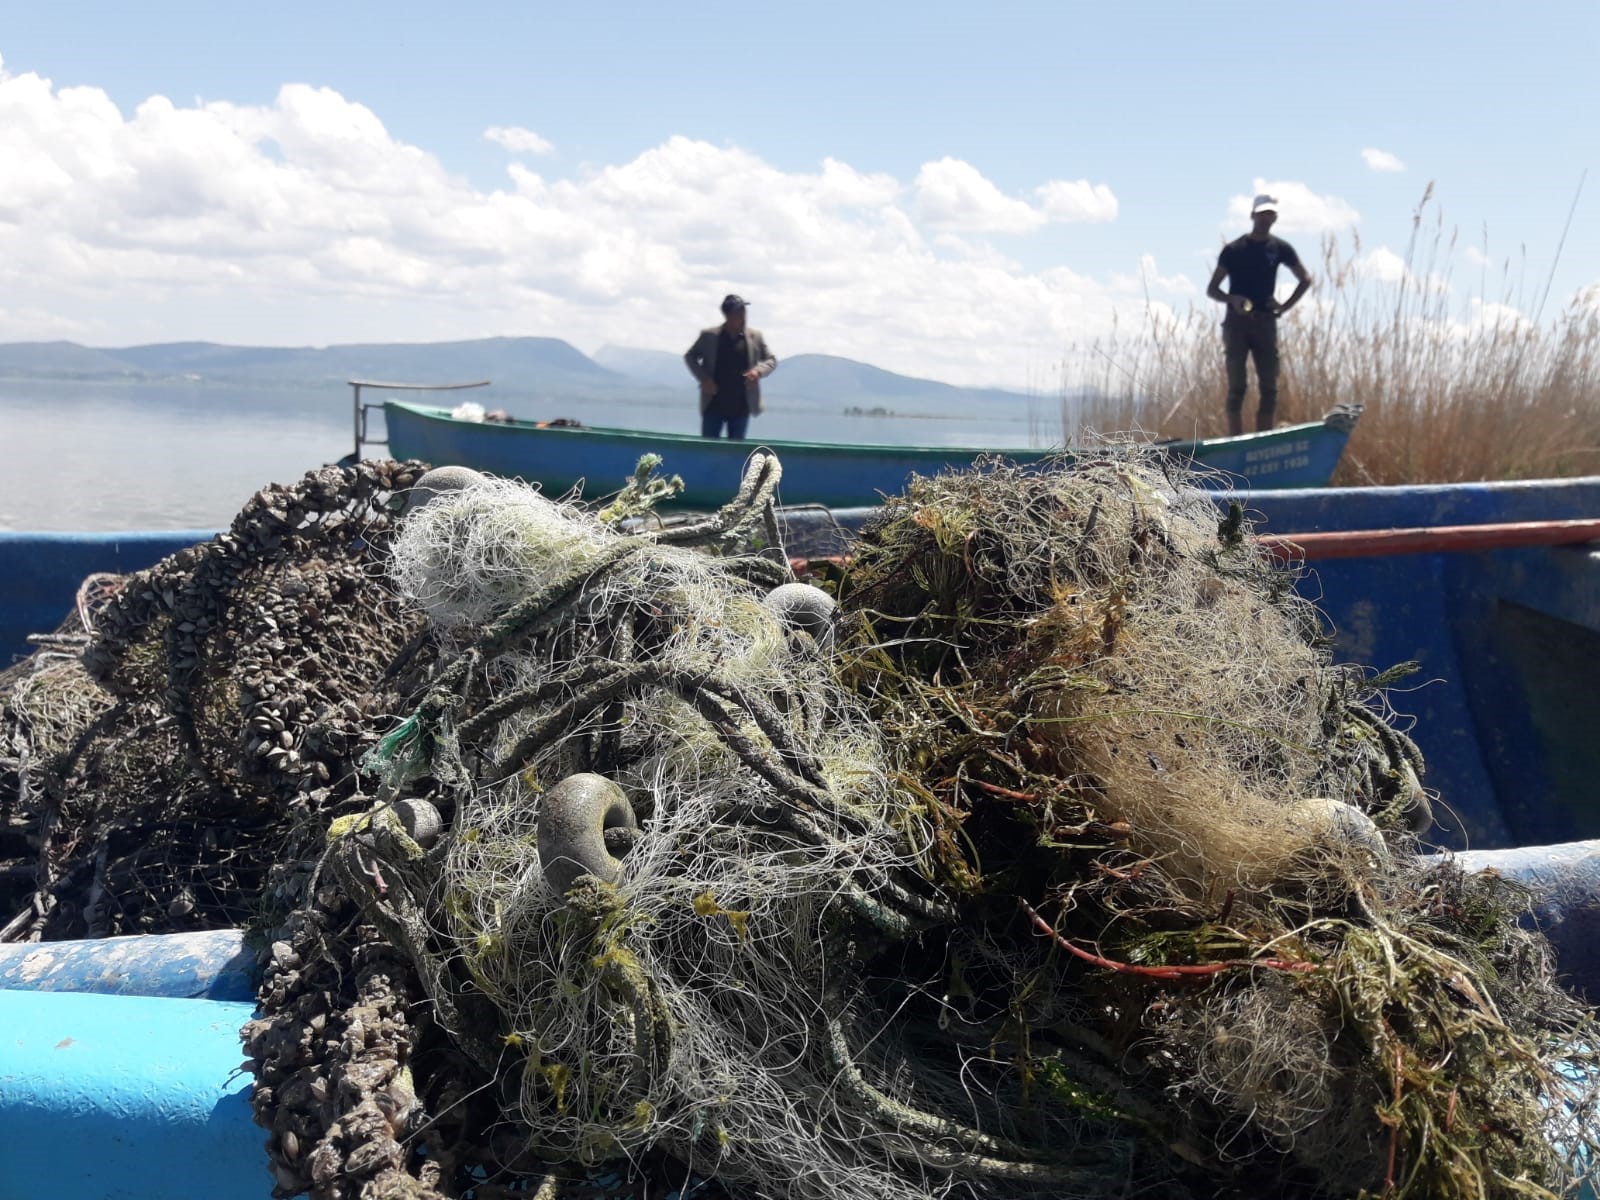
{"type": "Point", "coordinates": [702, 362]}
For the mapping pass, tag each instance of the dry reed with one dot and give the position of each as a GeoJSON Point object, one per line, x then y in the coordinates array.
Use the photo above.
{"type": "Point", "coordinates": [1453, 389]}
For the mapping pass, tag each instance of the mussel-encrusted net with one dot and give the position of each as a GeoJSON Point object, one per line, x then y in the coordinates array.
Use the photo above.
{"type": "Point", "coordinates": [171, 740]}
{"type": "Point", "coordinates": [1058, 859]}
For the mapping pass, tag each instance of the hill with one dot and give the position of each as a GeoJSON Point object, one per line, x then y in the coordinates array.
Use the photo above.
{"type": "Point", "coordinates": [850, 382]}
{"type": "Point", "coordinates": [819, 380]}
{"type": "Point", "coordinates": [545, 362]}
{"type": "Point", "coordinates": [60, 360]}
{"type": "Point", "coordinates": [524, 370]}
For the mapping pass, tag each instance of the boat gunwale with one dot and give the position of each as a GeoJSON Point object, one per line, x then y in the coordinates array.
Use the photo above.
{"type": "Point", "coordinates": [518, 425]}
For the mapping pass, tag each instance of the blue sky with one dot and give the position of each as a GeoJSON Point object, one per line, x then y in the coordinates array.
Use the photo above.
{"type": "Point", "coordinates": [1002, 179]}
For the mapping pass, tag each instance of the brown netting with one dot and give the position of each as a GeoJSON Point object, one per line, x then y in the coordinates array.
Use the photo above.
{"type": "Point", "coordinates": [1061, 861]}
{"type": "Point", "coordinates": [171, 740]}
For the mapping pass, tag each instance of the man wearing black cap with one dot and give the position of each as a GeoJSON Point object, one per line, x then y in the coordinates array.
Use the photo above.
{"type": "Point", "coordinates": [1250, 265]}
{"type": "Point", "coordinates": [729, 360]}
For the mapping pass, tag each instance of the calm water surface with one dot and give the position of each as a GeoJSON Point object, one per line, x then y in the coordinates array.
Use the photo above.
{"type": "Point", "coordinates": [94, 456]}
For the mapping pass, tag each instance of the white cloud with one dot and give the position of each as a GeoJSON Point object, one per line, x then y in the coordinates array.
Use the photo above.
{"type": "Point", "coordinates": [1382, 264]}
{"type": "Point", "coordinates": [518, 140]}
{"type": "Point", "coordinates": [952, 194]}
{"type": "Point", "coordinates": [955, 195]}
{"type": "Point", "coordinates": [306, 221]}
{"type": "Point", "coordinates": [1382, 160]}
{"type": "Point", "coordinates": [32, 324]}
{"type": "Point", "coordinates": [1477, 257]}
{"type": "Point", "coordinates": [1167, 283]}
{"type": "Point", "coordinates": [1077, 200]}
{"type": "Point", "coordinates": [1470, 324]}
{"type": "Point", "coordinates": [1300, 210]}
{"type": "Point", "coordinates": [1488, 315]}
{"type": "Point", "coordinates": [1385, 266]}
{"type": "Point", "coordinates": [1149, 279]}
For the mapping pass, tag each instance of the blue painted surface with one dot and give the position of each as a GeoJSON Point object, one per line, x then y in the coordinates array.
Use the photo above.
{"type": "Point", "coordinates": [813, 472]}
{"type": "Point", "coordinates": [213, 965]}
{"type": "Point", "coordinates": [40, 574]}
{"type": "Point", "coordinates": [1307, 510]}
{"type": "Point", "coordinates": [1506, 701]}
{"type": "Point", "coordinates": [125, 1098]}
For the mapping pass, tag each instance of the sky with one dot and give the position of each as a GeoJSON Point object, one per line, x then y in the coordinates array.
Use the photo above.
{"type": "Point", "coordinates": [962, 192]}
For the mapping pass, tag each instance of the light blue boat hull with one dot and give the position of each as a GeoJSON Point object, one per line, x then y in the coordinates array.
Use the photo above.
{"type": "Point", "coordinates": [559, 459]}
{"type": "Point", "coordinates": [125, 1098]}
{"type": "Point", "coordinates": [206, 965]}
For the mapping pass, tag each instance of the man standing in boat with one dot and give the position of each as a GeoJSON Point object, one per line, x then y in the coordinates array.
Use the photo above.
{"type": "Point", "coordinates": [729, 360]}
{"type": "Point", "coordinates": [1250, 327]}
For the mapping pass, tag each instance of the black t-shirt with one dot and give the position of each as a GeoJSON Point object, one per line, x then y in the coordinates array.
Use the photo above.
{"type": "Point", "coordinates": [733, 360]}
{"type": "Point", "coordinates": [1252, 267]}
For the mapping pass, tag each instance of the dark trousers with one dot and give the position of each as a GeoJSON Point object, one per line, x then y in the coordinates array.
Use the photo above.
{"type": "Point", "coordinates": [712, 422]}
{"type": "Point", "coordinates": [1254, 335]}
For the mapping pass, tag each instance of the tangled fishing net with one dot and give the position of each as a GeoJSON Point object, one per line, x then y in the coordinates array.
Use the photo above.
{"type": "Point", "coordinates": [168, 742]}
{"type": "Point", "coordinates": [1049, 855]}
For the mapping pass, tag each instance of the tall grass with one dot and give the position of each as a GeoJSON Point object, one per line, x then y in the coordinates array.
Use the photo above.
{"type": "Point", "coordinates": [1453, 388]}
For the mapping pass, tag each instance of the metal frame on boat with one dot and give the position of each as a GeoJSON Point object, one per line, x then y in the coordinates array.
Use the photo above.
{"type": "Point", "coordinates": [360, 412]}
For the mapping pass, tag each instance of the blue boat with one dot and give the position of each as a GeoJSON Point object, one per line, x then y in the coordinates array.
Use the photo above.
{"type": "Point", "coordinates": [560, 457]}
{"type": "Point", "coordinates": [118, 1064]}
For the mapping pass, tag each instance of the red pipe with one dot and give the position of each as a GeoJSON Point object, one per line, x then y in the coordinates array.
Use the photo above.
{"type": "Point", "coordinates": [1439, 539]}
{"type": "Point", "coordinates": [1377, 543]}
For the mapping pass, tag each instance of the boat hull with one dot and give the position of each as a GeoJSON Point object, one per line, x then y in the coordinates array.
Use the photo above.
{"type": "Point", "coordinates": [562, 458]}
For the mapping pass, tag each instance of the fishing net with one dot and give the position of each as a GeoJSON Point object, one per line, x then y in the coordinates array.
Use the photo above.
{"type": "Point", "coordinates": [188, 722]}
{"type": "Point", "coordinates": [1127, 728]}
{"type": "Point", "coordinates": [1043, 852]}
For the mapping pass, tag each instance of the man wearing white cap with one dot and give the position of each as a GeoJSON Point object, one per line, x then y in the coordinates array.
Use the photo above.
{"type": "Point", "coordinates": [1250, 327]}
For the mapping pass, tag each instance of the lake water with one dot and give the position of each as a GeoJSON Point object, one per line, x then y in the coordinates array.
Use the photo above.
{"type": "Point", "coordinates": [96, 456]}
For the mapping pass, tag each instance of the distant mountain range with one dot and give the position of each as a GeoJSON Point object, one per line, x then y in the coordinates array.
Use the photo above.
{"type": "Point", "coordinates": [808, 375]}
{"type": "Point", "coordinates": [526, 368]}
{"type": "Point", "coordinates": [535, 358]}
